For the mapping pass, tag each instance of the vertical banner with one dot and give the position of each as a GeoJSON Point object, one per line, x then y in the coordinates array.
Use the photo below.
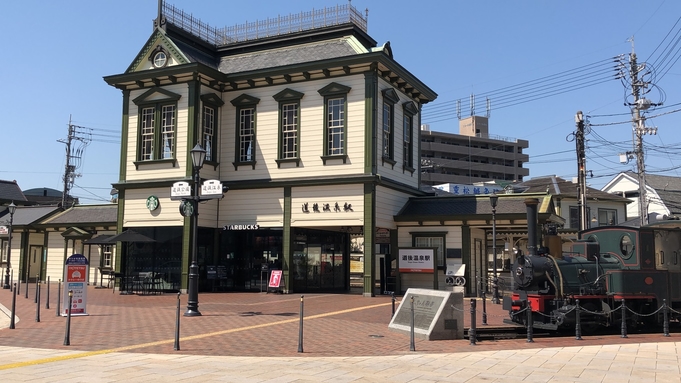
{"type": "Point", "coordinates": [75, 274]}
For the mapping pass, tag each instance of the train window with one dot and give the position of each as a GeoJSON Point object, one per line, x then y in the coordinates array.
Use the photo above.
{"type": "Point", "coordinates": [626, 246]}
{"type": "Point", "coordinates": [662, 257]}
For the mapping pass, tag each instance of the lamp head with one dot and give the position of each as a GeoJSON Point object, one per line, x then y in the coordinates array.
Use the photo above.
{"type": "Point", "coordinates": [198, 156]}
{"type": "Point", "coordinates": [493, 198]}
{"type": "Point", "coordinates": [12, 208]}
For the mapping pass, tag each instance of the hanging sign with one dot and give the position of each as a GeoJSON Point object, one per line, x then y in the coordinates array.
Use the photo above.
{"type": "Point", "coordinates": [75, 280]}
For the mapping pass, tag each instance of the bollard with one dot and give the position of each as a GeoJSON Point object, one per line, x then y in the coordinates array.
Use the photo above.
{"type": "Point", "coordinates": [47, 299]}
{"type": "Point", "coordinates": [58, 297]}
{"type": "Point", "coordinates": [11, 277]}
{"type": "Point", "coordinates": [14, 307]}
{"type": "Point", "coordinates": [578, 323]}
{"type": "Point", "coordinates": [67, 334]}
{"type": "Point", "coordinates": [37, 283]}
{"type": "Point", "coordinates": [471, 331]}
{"type": "Point", "coordinates": [300, 326]}
{"type": "Point", "coordinates": [393, 301]}
{"type": "Point", "coordinates": [19, 286]}
{"type": "Point", "coordinates": [412, 346]}
{"type": "Point", "coordinates": [624, 319]}
{"type": "Point", "coordinates": [176, 347]}
{"type": "Point", "coordinates": [530, 323]}
{"type": "Point", "coordinates": [37, 304]}
{"type": "Point", "coordinates": [26, 287]}
{"type": "Point", "coordinates": [484, 308]}
{"type": "Point", "coordinates": [665, 324]}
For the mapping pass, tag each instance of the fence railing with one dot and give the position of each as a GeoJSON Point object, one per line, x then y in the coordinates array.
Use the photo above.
{"type": "Point", "coordinates": [281, 25]}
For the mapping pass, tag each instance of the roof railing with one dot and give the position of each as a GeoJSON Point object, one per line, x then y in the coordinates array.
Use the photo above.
{"type": "Point", "coordinates": [281, 25]}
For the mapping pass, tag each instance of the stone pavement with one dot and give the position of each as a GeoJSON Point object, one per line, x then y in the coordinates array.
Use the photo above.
{"type": "Point", "coordinates": [253, 337]}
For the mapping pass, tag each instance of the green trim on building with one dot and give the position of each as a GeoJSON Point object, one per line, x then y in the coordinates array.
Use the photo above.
{"type": "Point", "coordinates": [369, 238]}
{"type": "Point", "coordinates": [370, 102]}
{"type": "Point", "coordinates": [125, 131]}
{"type": "Point", "coordinates": [287, 243]}
{"type": "Point", "coordinates": [466, 251]}
{"type": "Point", "coordinates": [193, 130]}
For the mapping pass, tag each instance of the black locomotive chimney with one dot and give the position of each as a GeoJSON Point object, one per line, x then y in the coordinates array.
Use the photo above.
{"type": "Point", "coordinates": [532, 219]}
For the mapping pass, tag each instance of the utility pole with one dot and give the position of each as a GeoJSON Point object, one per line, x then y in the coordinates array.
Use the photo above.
{"type": "Point", "coordinates": [638, 141]}
{"type": "Point", "coordinates": [73, 157]}
{"type": "Point", "coordinates": [638, 86]}
{"type": "Point", "coordinates": [581, 170]}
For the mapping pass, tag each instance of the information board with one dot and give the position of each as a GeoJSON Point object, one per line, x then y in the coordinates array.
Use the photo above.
{"type": "Point", "coordinates": [75, 274]}
{"type": "Point", "coordinates": [437, 314]}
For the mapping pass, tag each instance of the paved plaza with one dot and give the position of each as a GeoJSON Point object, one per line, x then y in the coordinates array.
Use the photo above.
{"type": "Point", "coordinates": [254, 337]}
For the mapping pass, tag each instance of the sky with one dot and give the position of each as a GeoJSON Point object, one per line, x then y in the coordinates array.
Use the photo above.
{"type": "Point", "coordinates": [538, 62]}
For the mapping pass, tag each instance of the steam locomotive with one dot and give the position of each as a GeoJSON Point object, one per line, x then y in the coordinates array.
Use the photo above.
{"type": "Point", "coordinates": [605, 267]}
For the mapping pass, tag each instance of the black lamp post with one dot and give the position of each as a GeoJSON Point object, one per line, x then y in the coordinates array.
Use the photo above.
{"type": "Point", "coordinates": [12, 208]}
{"type": "Point", "coordinates": [198, 156]}
{"type": "Point", "coordinates": [493, 198]}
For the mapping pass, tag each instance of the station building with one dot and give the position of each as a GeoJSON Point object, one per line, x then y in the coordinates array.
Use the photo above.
{"type": "Point", "coordinates": [312, 125]}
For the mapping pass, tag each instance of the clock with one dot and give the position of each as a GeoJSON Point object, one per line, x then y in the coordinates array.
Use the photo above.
{"type": "Point", "coordinates": [187, 208]}
{"type": "Point", "coordinates": [152, 203]}
{"type": "Point", "coordinates": [160, 59]}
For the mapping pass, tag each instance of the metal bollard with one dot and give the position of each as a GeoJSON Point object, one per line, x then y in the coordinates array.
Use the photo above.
{"type": "Point", "coordinates": [300, 326]}
{"type": "Point", "coordinates": [19, 286]}
{"type": "Point", "coordinates": [67, 335]}
{"type": "Point", "coordinates": [37, 304]}
{"type": "Point", "coordinates": [484, 308]}
{"type": "Point", "coordinates": [58, 297]}
{"type": "Point", "coordinates": [47, 300]}
{"type": "Point", "coordinates": [11, 277]}
{"type": "Point", "coordinates": [530, 323]}
{"type": "Point", "coordinates": [392, 298]}
{"type": "Point", "coordinates": [665, 324]}
{"type": "Point", "coordinates": [176, 346]}
{"type": "Point", "coordinates": [624, 319]}
{"type": "Point", "coordinates": [412, 345]}
{"type": "Point", "coordinates": [14, 307]}
{"type": "Point", "coordinates": [37, 283]}
{"type": "Point", "coordinates": [26, 295]}
{"type": "Point", "coordinates": [471, 331]}
{"type": "Point", "coordinates": [578, 323]}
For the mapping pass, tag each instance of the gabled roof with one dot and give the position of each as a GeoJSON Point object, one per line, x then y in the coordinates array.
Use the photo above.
{"type": "Point", "coordinates": [80, 215]}
{"type": "Point", "coordinates": [27, 215]}
{"type": "Point", "coordinates": [10, 191]}
{"type": "Point", "coordinates": [271, 59]}
{"type": "Point", "coordinates": [667, 188]}
{"type": "Point", "coordinates": [474, 207]}
{"type": "Point", "coordinates": [565, 189]}
{"type": "Point", "coordinates": [297, 54]}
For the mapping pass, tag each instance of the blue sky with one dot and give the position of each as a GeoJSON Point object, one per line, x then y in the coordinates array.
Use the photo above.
{"type": "Point", "coordinates": [56, 53]}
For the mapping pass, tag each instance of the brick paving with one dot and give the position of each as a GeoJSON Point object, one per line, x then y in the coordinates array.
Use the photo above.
{"type": "Point", "coordinates": [253, 324]}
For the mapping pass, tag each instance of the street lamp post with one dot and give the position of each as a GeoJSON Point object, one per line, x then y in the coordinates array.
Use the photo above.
{"type": "Point", "coordinates": [12, 208]}
{"type": "Point", "coordinates": [493, 198]}
{"type": "Point", "coordinates": [198, 156]}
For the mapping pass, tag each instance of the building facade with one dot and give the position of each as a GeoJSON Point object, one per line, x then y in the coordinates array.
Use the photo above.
{"type": "Point", "coordinates": [472, 156]}
{"type": "Point", "coordinates": [314, 129]}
